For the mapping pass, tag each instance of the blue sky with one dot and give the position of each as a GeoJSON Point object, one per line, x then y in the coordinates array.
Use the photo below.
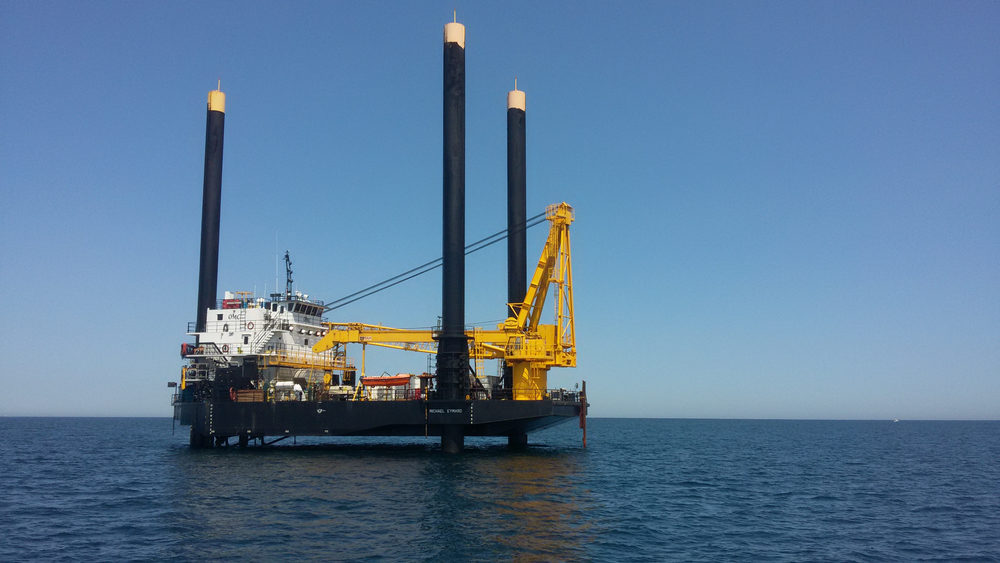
{"type": "Point", "coordinates": [784, 209]}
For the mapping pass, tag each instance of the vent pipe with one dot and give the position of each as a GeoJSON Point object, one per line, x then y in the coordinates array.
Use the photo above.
{"type": "Point", "coordinates": [211, 202]}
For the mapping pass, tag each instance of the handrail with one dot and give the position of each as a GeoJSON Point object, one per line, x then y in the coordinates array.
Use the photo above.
{"type": "Point", "coordinates": [264, 334]}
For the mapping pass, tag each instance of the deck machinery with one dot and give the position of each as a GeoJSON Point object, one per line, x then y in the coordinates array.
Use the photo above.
{"type": "Point", "coordinates": [267, 368]}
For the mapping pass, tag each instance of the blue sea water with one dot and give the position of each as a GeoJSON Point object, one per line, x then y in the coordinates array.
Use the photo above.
{"type": "Point", "coordinates": [644, 490]}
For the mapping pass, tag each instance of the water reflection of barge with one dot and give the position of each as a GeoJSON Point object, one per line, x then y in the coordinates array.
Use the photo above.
{"type": "Point", "coordinates": [270, 366]}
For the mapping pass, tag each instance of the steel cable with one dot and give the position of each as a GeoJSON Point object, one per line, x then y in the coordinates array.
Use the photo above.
{"type": "Point", "coordinates": [428, 266]}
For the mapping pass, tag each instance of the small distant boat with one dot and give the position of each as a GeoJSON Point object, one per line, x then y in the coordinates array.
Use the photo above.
{"type": "Point", "coordinates": [895, 420]}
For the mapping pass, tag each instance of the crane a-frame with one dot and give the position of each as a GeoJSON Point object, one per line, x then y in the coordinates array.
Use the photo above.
{"type": "Point", "coordinates": [527, 346]}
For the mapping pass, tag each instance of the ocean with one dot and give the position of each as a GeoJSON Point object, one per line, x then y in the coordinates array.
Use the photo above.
{"type": "Point", "coordinates": [116, 489]}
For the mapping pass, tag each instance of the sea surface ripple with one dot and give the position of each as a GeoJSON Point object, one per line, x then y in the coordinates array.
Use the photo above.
{"type": "Point", "coordinates": [644, 490]}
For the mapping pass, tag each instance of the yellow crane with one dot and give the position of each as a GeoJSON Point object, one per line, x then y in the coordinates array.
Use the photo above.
{"type": "Point", "coordinates": [527, 346]}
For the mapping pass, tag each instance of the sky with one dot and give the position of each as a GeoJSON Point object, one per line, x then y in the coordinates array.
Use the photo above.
{"type": "Point", "coordinates": [783, 209]}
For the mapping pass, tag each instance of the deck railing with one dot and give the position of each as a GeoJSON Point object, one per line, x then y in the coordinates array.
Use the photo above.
{"type": "Point", "coordinates": [379, 393]}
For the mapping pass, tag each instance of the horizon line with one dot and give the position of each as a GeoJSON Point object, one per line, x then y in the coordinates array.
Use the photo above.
{"type": "Point", "coordinates": [891, 419]}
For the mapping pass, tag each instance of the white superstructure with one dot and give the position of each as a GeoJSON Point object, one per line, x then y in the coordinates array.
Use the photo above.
{"type": "Point", "coordinates": [258, 343]}
{"type": "Point", "coordinates": [246, 325]}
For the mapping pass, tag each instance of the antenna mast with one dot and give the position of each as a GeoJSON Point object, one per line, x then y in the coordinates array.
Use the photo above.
{"type": "Point", "coordinates": [288, 276]}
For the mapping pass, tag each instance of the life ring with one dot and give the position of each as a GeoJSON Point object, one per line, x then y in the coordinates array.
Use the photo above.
{"type": "Point", "coordinates": [232, 394]}
{"type": "Point", "coordinates": [225, 348]}
{"type": "Point", "coordinates": [250, 325]}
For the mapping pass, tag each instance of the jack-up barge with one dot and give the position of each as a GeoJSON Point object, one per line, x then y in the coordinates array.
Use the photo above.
{"type": "Point", "coordinates": [266, 368]}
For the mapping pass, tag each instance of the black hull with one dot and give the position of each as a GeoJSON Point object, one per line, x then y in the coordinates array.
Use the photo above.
{"type": "Point", "coordinates": [216, 422]}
